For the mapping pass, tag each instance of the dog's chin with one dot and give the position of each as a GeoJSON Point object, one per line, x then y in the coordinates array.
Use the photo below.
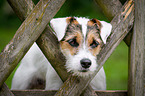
{"type": "Point", "coordinates": [84, 70]}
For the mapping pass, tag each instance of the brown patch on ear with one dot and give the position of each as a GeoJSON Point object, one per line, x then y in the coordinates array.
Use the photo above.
{"type": "Point", "coordinates": [92, 22]}
{"type": "Point", "coordinates": [72, 20]}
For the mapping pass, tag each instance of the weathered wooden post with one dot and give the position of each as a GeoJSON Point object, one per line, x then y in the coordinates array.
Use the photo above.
{"type": "Point", "coordinates": [50, 49]}
{"type": "Point", "coordinates": [136, 78]}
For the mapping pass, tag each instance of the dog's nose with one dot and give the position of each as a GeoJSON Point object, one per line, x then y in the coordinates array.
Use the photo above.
{"type": "Point", "coordinates": [85, 63]}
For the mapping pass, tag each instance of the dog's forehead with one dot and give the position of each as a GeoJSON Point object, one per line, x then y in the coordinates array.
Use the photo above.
{"type": "Point", "coordinates": [59, 25]}
{"type": "Point", "coordinates": [83, 22]}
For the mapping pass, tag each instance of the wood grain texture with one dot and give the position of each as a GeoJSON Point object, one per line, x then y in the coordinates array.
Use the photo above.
{"type": "Point", "coordinates": [136, 83]}
{"type": "Point", "coordinates": [5, 91]}
{"type": "Point", "coordinates": [25, 36]}
{"type": "Point", "coordinates": [110, 8]}
{"type": "Point", "coordinates": [47, 41]}
{"type": "Point", "coordinates": [89, 92]}
{"type": "Point", "coordinates": [52, 93]}
{"type": "Point", "coordinates": [121, 26]}
{"type": "Point", "coordinates": [22, 8]}
{"type": "Point", "coordinates": [49, 45]}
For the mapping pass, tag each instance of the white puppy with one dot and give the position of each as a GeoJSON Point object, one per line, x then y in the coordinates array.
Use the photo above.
{"type": "Point", "coordinates": [80, 42]}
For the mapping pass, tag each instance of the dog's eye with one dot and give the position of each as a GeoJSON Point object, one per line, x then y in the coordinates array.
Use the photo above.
{"type": "Point", "coordinates": [73, 42]}
{"type": "Point", "coordinates": [94, 44]}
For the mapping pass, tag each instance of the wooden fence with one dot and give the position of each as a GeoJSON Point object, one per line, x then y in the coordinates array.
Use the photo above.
{"type": "Point", "coordinates": [35, 28]}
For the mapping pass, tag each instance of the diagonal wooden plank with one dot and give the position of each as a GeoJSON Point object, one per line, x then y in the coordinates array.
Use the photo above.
{"type": "Point", "coordinates": [121, 27]}
{"type": "Point", "coordinates": [50, 49]}
{"type": "Point", "coordinates": [120, 24]}
{"type": "Point", "coordinates": [5, 91]}
{"type": "Point", "coordinates": [25, 36]}
{"type": "Point", "coordinates": [52, 52]}
{"type": "Point", "coordinates": [110, 8]}
{"type": "Point", "coordinates": [22, 8]}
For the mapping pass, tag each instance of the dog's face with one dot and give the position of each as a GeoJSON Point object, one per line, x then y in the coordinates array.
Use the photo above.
{"type": "Point", "coordinates": [80, 41]}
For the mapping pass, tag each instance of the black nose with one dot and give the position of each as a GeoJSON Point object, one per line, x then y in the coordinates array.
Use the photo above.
{"type": "Point", "coordinates": [85, 63]}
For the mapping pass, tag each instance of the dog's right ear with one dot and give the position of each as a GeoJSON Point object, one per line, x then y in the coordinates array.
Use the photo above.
{"type": "Point", "coordinates": [59, 25]}
{"type": "Point", "coordinates": [105, 30]}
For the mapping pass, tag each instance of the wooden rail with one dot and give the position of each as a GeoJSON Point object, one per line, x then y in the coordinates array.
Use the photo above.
{"type": "Point", "coordinates": [52, 93]}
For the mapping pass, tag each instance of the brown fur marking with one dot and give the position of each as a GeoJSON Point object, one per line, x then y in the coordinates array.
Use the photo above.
{"type": "Point", "coordinates": [73, 31]}
{"type": "Point", "coordinates": [94, 34]}
{"type": "Point", "coordinates": [71, 20]}
{"type": "Point", "coordinates": [92, 22]}
{"type": "Point", "coordinates": [67, 48]}
{"type": "Point", "coordinates": [90, 37]}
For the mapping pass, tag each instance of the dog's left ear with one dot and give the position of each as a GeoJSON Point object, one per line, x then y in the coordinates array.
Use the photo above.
{"type": "Point", "coordinates": [59, 26]}
{"type": "Point", "coordinates": [105, 30]}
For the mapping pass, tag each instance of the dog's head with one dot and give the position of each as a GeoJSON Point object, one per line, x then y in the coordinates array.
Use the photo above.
{"type": "Point", "coordinates": [80, 41]}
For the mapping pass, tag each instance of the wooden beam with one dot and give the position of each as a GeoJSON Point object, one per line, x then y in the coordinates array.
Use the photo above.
{"type": "Point", "coordinates": [25, 36]}
{"type": "Point", "coordinates": [52, 52]}
{"type": "Point", "coordinates": [122, 24]}
{"type": "Point", "coordinates": [50, 49]}
{"type": "Point", "coordinates": [52, 93]}
{"type": "Point", "coordinates": [110, 8]}
{"type": "Point", "coordinates": [5, 91]}
{"type": "Point", "coordinates": [22, 8]}
{"type": "Point", "coordinates": [136, 83]}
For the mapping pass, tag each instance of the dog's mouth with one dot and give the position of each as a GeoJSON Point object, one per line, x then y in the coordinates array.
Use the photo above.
{"type": "Point", "coordinates": [84, 70]}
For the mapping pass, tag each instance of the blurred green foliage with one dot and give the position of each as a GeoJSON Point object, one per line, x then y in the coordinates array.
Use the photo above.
{"type": "Point", "coordinates": [116, 67]}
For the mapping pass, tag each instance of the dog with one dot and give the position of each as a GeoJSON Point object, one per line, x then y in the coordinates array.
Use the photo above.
{"type": "Point", "coordinates": [80, 41]}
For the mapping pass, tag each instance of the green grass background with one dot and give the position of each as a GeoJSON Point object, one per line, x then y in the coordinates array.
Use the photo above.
{"type": "Point", "coordinates": [116, 67]}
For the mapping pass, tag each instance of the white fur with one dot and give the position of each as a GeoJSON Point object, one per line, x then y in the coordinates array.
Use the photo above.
{"type": "Point", "coordinates": [34, 63]}
{"type": "Point", "coordinates": [105, 30]}
{"type": "Point", "coordinates": [83, 21]}
{"type": "Point", "coordinates": [59, 26]}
